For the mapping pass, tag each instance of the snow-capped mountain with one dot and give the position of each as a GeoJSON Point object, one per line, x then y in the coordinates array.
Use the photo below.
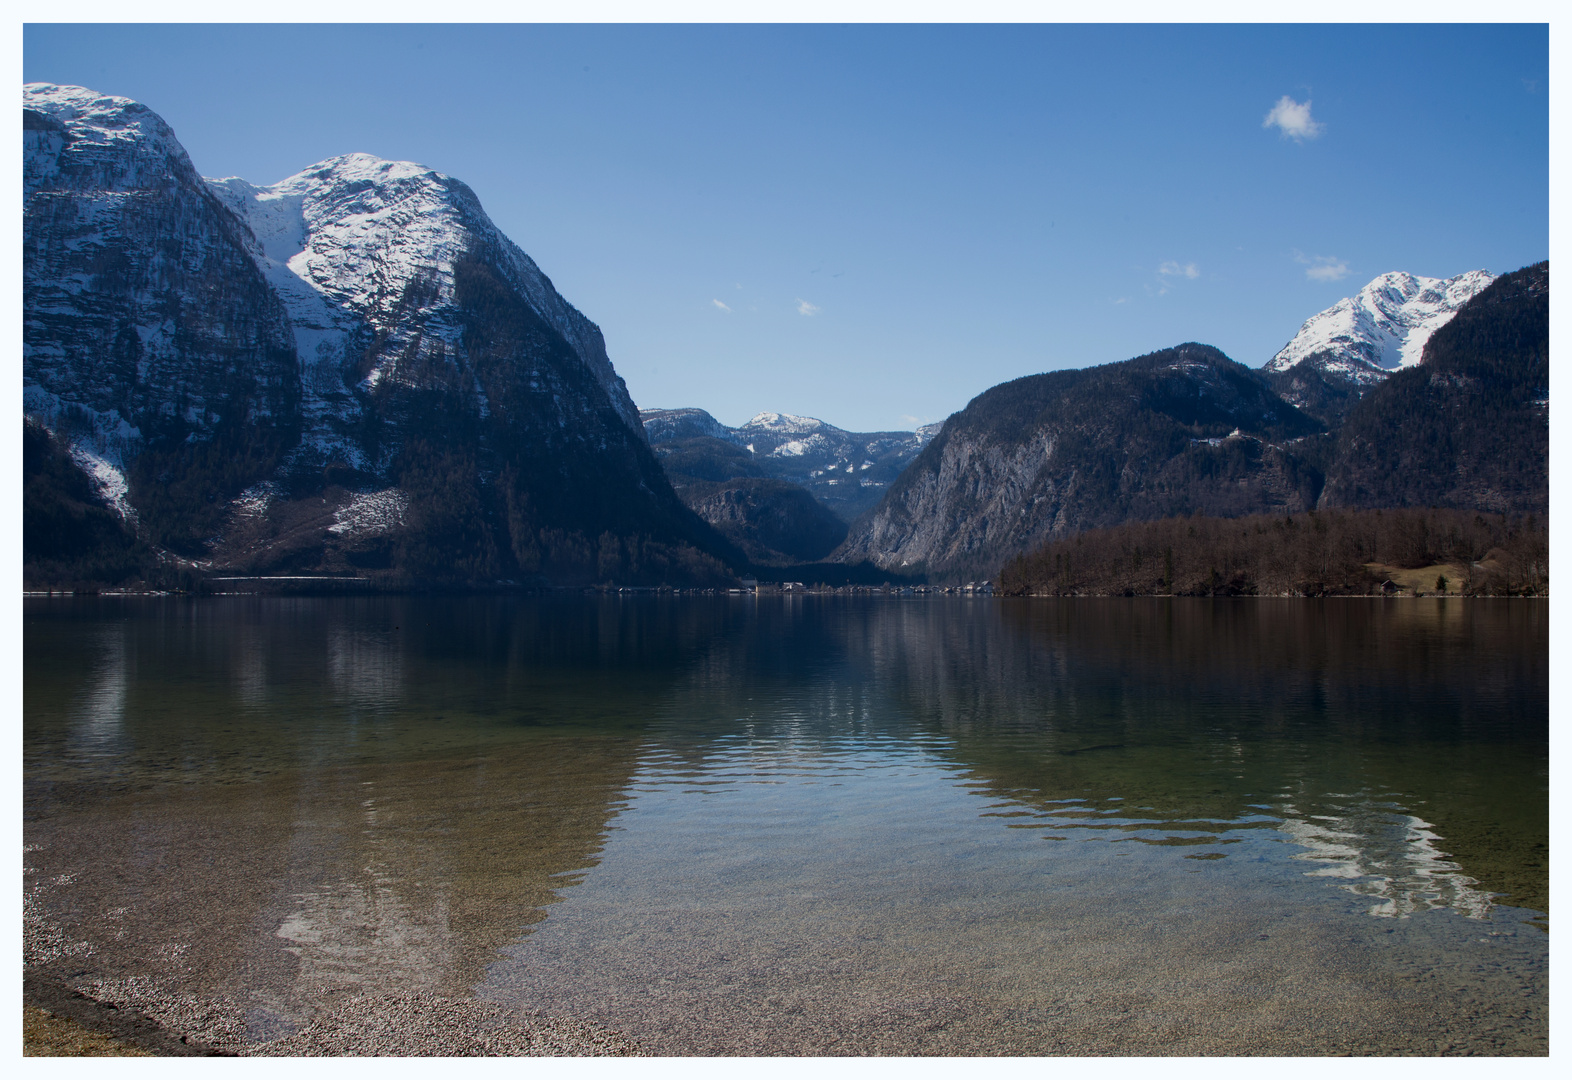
{"type": "Point", "coordinates": [786, 424]}
{"type": "Point", "coordinates": [846, 470]}
{"type": "Point", "coordinates": [349, 369]}
{"type": "Point", "coordinates": [1384, 327]}
{"type": "Point", "coordinates": [364, 253]}
{"type": "Point", "coordinates": [145, 320]}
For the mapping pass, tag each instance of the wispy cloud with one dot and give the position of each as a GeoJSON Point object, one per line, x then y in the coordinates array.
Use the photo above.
{"type": "Point", "coordinates": [1322, 267]}
{"type": "Point", "coordinates": [722, 306]}
{"type": "Point", "coordinates": [1171, 271]}
{"type": "Point", "coordinates": [1293, 120]}
{"type": "Point", "coordinates": [805, 308]}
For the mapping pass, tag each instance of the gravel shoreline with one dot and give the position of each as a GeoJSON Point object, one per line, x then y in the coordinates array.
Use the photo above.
{"type": "Point", "coordinates": [132, 1013]}
{"type": "Point", "coordinates": [84, 1009]}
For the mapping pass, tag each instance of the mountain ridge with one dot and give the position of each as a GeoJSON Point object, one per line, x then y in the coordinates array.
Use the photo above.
{"type": "Point", "coordinates": [847, 471]}
{"type": "Point", "coordinates": [353, 371]}
{"type": "Point", "coordinates": [1180, 430]}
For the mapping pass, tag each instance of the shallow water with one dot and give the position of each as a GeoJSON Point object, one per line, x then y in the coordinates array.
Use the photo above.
{"type": "Point", "coordinates": [792, 824]}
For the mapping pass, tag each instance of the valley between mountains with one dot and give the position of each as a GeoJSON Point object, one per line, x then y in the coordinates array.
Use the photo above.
{"type": "Point", "coordinates": [351, 378]}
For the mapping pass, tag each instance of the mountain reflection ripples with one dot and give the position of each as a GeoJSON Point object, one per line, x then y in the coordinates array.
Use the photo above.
{"type": "Point", "coordinates": [808, 824]}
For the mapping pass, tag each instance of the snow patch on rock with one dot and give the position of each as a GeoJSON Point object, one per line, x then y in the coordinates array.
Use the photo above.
{"type": "Point", "coordinates": [371, 513]}
{"type": "Point", "coordinates": [109, 482]}
{"type": "Point", "coordinates": [253, 502]}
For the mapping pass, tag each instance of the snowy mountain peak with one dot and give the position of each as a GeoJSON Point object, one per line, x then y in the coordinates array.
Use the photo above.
{"type": "Point", "coordinates": [359, 166]}
{"type": "Point", "coordinates": [357, 327]}
{"type": "Point", "coordinates": [666, 424]}
{"type": "Point", "coordinates": [109, 137]}
{"type": "Point", "coordinates": [787, 424]}
{"type": "Point", "coordinates": [358, 240]}
{"type": "Point", "coordinates": [1382, 328]}
{"type": "Point", "coordinates": [100, 117]}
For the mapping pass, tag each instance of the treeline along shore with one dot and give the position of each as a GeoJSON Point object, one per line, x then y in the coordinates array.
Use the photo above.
{"type": "Point", "coordinates": [1316, 553]}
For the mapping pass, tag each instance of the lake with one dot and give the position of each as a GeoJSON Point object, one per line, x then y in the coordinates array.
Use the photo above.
{"type": "Point", "coordinates": [804, 824]}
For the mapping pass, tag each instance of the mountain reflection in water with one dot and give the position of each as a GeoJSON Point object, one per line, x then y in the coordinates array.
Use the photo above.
{"type": "Point", "coordinates": [265, 801]}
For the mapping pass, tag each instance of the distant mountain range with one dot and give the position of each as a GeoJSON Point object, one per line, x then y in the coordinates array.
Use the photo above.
{"type": "Point", "coordinates": [353, 373]}
{"type": "Point", "coordinates": [782, 487]}
{"type": "Point", "coordinates": [848, 471]}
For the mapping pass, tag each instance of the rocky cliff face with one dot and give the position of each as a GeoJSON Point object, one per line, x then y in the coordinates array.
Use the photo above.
{"type": "Point", "coordinates": [1179, 431]}
{"type": "Point", "coordinates": [773, 522]}
{"type": "Point", "coordinates": [150, 338]}
{"type": "Point", "coordinates": [352, 369]}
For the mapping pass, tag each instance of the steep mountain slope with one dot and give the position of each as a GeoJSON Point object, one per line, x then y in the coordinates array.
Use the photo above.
{"type": "Point", "coordinates": [1339, 354]}
{"type": "Point", "coordinates": [772, 521]}
{"type": "Point", "coordinates": [368, 256]}
{"type": "Point", "coordinates": [1178, 431]}
{"type": "Point", "coordinates": [847, 471]}
{"type": "Point", "coordinates": [70, 536]}
{"type": "Point", "coordinates": [418, 401]}
{"type": "Point", "coordinates": [1469, 426]}
{"type": "Point", "coordinates": [150, 340]}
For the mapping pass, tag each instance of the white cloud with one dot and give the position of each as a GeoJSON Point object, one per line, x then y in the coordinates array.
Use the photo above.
{"type": "Point", "coordinates": [805, 308]}
{"type": "Point", "coordinates": [1336, 270]}
{"type": "Point", "coordinates": [1322, 267]}
{"type": "Point", "coordinates": [1293, 120]}
{"type": "Point", "coordinates": [1173, 269]}
{"type": "Point", "coordinates": [722, 306]}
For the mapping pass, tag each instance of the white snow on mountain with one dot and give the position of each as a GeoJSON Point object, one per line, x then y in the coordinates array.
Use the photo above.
{"type": "Point", "coordinates": [357, 241]}
{"type": "Point", "coordinates": [786, 424]}
{"type": "Point", "coordinates": [130, 143]}
{"type": "Point", "coordinates": [1381, 329]}
{"type": "Point", "coordinates": [102, 175]}
{"type": "Point", "coordinates": [683, 424]}
{"type": "Point", "coordinates": [371, 513]}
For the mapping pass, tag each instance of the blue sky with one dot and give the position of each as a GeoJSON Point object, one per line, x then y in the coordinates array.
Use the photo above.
{"type": "Point", "coordinates": [874, 224]}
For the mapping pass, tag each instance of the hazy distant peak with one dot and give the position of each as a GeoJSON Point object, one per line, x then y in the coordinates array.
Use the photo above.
{"type": "Point", "coordinates": [787, 424]}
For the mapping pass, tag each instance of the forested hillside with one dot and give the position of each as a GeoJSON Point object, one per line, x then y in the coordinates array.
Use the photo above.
{"type": "Point", "coordinates": [1326, 553]}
